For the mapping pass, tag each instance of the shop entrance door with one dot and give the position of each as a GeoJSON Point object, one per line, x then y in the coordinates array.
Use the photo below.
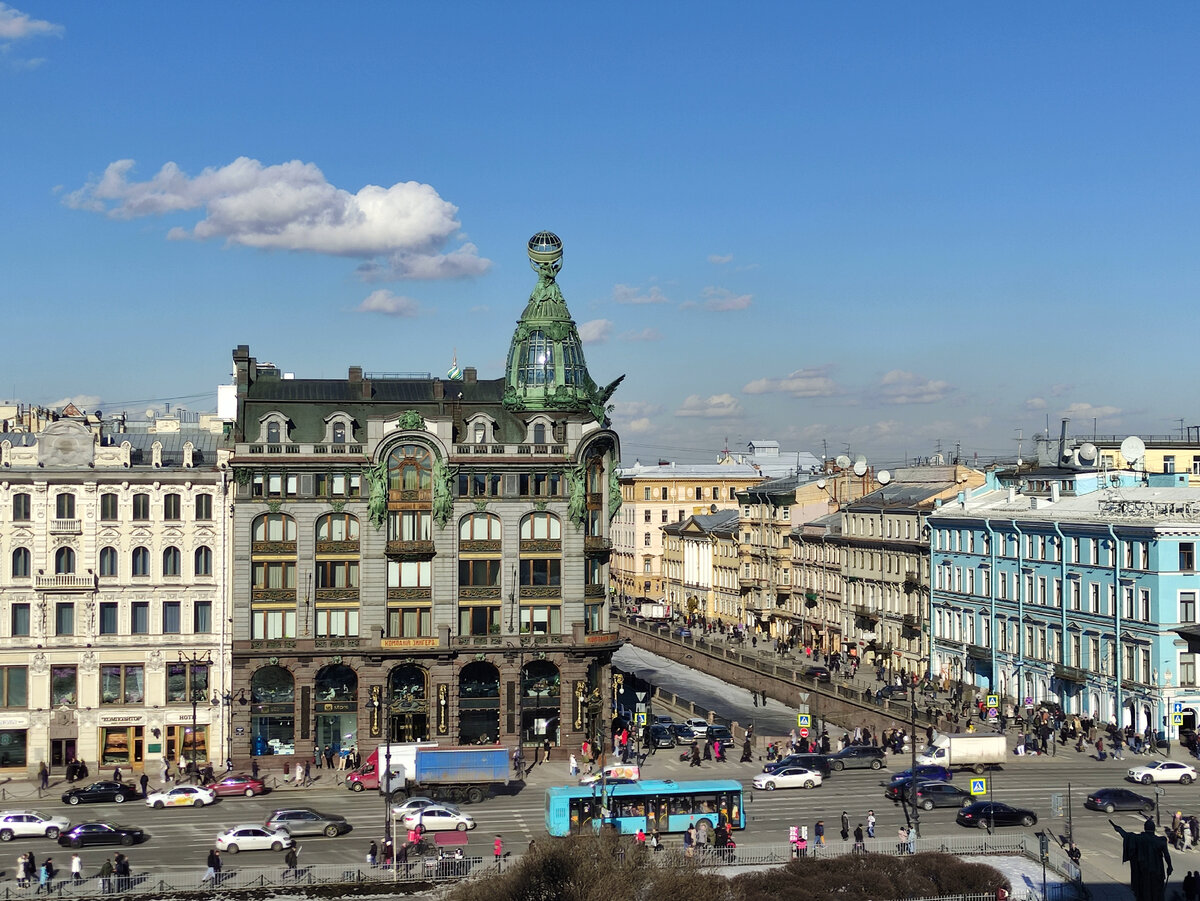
{"type": "Point", "coordinates": [62, 752]}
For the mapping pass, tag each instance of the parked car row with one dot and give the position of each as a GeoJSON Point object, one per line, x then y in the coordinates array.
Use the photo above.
{"type": "Point", "coordinates": [107, 790]}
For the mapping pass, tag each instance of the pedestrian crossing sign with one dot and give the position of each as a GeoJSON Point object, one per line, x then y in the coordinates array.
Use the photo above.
{"type": "Point", "coordinates": [979, 786]}
{"type": "Point", "coordinates": [803, 720]}
{"type": "Point", "coordinates": [993, 701]}
{"type": "Point", "coordinates": [640, 718]}
{"type": "Point", "coordinates": [1176, 719]}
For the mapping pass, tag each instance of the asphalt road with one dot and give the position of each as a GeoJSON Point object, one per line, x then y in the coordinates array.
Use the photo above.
{"type": "Point", "coordinates": [179, 838]}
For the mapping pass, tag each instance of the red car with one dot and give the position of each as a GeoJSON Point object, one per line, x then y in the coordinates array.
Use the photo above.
{"type": "Point", "coordinates": [238, 785]}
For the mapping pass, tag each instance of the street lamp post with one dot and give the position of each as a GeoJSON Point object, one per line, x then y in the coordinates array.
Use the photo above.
{"type": "Point", "coordinates": [225, 700]}
{"type": "Point", "coordinates": [193, 661]}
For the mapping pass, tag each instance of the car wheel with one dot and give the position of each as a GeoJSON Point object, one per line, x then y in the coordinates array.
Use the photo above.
{"type": "Point", "coordinates": [76, 843]}
{"type": "Point", "coordinates": [74, 799]}
{"type": "Point", "coordinates": [838, 765]}
{"type": "Point", "coordinates": [982, 824]}
{"type": "Point", "coordinates": [1147, 779]}
{"type": "Point", "coordinates": [275, 846]}
{"type": "Point", "coordinates": [6, 835]}
{"type": "Point", "coordinates": [977, 769]}
{"type": "Point", "coordinates": [51, 832]}
{"type": "Point", "coordinates": [927, 804]}
{"type": "Point", "coordinates": [119, 799]}
{"type": "Point", "coordinates": [461, 827]}
{"type": "Point", "coordinates": [876, 764]}
{"type": "Point", "coordinates": [474, 795]}
{"type": "Point", "coordinates": [249, 793]}
{"type": "Point", "coordinates": [808, 783]}
{"type": "Point", "coordinates": [1028, 820]}
{"type": "Point", "coordinates": [1109, 808]}
{"type": "Point", "coordinates": [233, 848]}
{"type": "Point", "coordinates": [356, 786]}
{"type": "Point", "coordinates": [126, 839]}
{"type": "Point", "coordinates": [1147, 809]}
{"type": "Point", "coordinates": [331, 830]}
{"type": "Point", "coordinates": [967, 802]}
{"type": "Point", "coordinates": [1185, 779]}
{"type": "Point", "coordinates": [200, 802]}
{"type": "Point", "coordinates": [770, 786]}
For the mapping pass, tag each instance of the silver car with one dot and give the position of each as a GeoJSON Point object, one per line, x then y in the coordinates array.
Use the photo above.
{"type": "Point", "coordinates": [306, 821]}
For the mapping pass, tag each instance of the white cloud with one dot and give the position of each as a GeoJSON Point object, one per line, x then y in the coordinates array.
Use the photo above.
{"type": "Point", "coordinates": [637, 426]}
{"type": "Point", "coordinates": [900, 387]}
{"type": "Point", "coordinates": [719, 300]}
{"type": "Point", "coordinates": [718, 406]}
{"type": "Point", "coordinates": [720, 259]}
{"type": "Point", "coordinates": [813, 382]}
{"type": "Point", "coordinates": [631, 409]}
{"type": "Point", "coordinates": [401, 231]}
{"type": "Point", "coordinates": [82, 401]}
{"type": "Point", "coordinates": [597, 331]}
{"type": "Point", "coordinates": [646, 334]}
{"type": "Point", "coordinates": [632, 295]}
{"type": "Point", "coordinates": [384, 301]}
{"type": "Point", "coordinates": [1060, 390]}
{"type": "Point", "coordinates": [1034, 404]}
{"type": "Point", "coordinates": [15, 25]}
{"type": "Point", "coordinates": [1082, 411]}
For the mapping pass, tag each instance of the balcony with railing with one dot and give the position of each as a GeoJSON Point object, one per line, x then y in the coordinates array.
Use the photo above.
{"type": "Point", "coordinates": [866, 612]}
{"type": "Point", "coordinates": [64, 582]}
{"type": "Point", "coordinates": [1075, 674]}
{"type": "Point", "coordinates": [410, 549]}
{"type": "Point", "coordinates": [66, 527]}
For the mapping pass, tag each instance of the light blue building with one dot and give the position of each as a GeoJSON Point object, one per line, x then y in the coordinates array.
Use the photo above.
{"type": "Point", "coordinates": [1073, 587]}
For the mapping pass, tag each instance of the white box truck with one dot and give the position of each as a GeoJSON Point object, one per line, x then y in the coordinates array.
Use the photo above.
{"type": "Point", "coordinates": [976, 750]}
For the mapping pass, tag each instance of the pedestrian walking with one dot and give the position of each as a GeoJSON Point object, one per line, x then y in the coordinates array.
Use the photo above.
{"type": "Point", "coordinates": [860, 846]}
{"type": "Point", "coordinates": [76, 869]}
{"type": "Point", "coordinates": [165, 772]}
{"type": "Point", "coordinates": [574, 766]}
{"type": "Point", "coordinates": [43, 776]}
{"type": "Point", "coordinates": [307, 774]}
{"type": "Point", "coordinates": [23, 871]}
{"type": "Point", "coordinates": [819, 832]}
{"type": "Point", "coordinates": [116, 774]}
{"type": "Point", "coordinates": [106, 875]}
{"type": "Point", "coordinates": [372, 854]}
{"type": "Point", "coordinates": [845, 826]}
{"type": "Point", "coordinates": [695, 755]}
{"type": "Point", "coordinates": [329, 756]}
{"type": "Point", "coordinates": [121, 871]}
{"type": "Point", "coordinates": [902, 840]}
{"type": "Point", "coordinates": [45, 874]}
{"type": "Point", "coordinates": [291, 861]}
{"type": "Point", "coordinates": [254, 768]}
{"type": "Point", "coordinates": [498, 850]}
{"type": "Point", "coordinates": [870, 824]}
{"type": "Point", "coordinates": [144, 782]}
{"type": "Point", "coordinates": [214, 867]}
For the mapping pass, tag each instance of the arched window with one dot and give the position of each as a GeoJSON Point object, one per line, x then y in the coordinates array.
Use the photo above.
{"type": "Point", "coordinates": [274, 527]}
{"type": "Point", "coordinates": [480, 430]}
{"type": "Point", "coordinates": [337, 682]}
{"type": "Point", "coordinates": [64, 558]}
{"type": "Point", "coordinates": [479, 527]}
{"type": "Point", "coordinates": [108, 561]}
{"type": "Point", "coordinates": [337, 527]}
{"type": "Point", "coordinates": [541, 525]}
{"type": "Point", "coordinates": [273, 689]}
{"type": "Point", "coordinates": [273, 432]}
{"type": "Point", "coordinates": [171, 561]}
{"type": "Point", "coordinates": [203, 561]}
{"type": "Point", "coordinates": [141, 561]}
{"type": "Point", "coordinates": [410, 468]}
{"type": "Point", "coordinates": [339, 432]}
{"type": "Point", "coordinates": [479, 703]}
{"type": "Point", "coordinates": [539, 433]}
{"type": "Point", "coordinates": [20, 563]}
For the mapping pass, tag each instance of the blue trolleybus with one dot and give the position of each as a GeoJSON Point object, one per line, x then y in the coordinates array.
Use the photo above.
{"type": "Point", "coordinates": [663, 804]}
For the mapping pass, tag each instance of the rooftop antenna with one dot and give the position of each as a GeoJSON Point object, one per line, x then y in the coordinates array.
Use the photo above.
{"type": "Point", "coordinates": [1020, 437]}
{"type": "Point", "coordinates": [1133, 449]}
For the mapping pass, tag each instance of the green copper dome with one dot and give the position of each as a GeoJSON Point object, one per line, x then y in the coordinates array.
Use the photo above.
{"type": "Point", "coordinates": [546, 369]}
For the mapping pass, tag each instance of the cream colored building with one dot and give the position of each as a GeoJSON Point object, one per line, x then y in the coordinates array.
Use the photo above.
{"type": "Point", "coordinates": [113, 596]}
{"type": "Point", "coordinates": [701, 562]}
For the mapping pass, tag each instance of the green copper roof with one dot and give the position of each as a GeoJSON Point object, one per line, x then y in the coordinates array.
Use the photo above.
{"type": "Point", "coordinates": [546, 369]}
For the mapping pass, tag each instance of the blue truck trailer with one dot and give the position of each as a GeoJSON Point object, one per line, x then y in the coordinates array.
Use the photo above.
{"type": "Point", "coordinates": [467, 774]}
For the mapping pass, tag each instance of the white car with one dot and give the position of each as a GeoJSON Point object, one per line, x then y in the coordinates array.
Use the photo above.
{"type": "Point", "coordinates": [253, 837]}
{"type": "Point", "coordinates": [438, 818]}
{"type": "Point", "coordinates": [698, 726]}
{"type": "Point", "coordinates": [181, 796]}
{"type": "Point", "coordinates": [413, 804]}
{"type": "Point", "coordinates": [788, 777]}
{"type": "Point", "coordinates": [1163, 771]}
{"type": "Point", "coordinates": [25, 823]}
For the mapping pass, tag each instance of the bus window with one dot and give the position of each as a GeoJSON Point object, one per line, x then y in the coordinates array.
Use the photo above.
{"type": "Point", "coordinates": [705, 804]}
{"type": "Point", "coordinates": [680, 804]}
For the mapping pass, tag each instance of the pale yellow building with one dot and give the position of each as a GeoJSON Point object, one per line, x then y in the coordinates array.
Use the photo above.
{"type": "Point", "coordinates": [701, 562]}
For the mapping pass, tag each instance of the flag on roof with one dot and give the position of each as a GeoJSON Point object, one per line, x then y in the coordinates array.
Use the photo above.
{"type": "Point", "coordinates": [454, 373]}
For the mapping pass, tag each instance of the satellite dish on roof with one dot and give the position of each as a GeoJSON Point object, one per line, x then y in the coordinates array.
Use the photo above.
{"type": "Point", "coordinates": [842, 461]}
{"type": "Point", "coordinates": [1087, 452]}
{"type": "Point", "coordinates": [821, 483]}
{"type": "Point", "coordinates": [884, 477]}
{"type": "Point", "coordinates": [712, 508]}
{"type": "Point", "coordinates": [149, 412]}
{"type": "Point", "coordinates": [1133, 449]}
{"type": "Point", "coordinates": [860, 466]}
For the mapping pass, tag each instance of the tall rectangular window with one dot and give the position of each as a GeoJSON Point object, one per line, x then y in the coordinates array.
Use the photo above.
{"type": "Point", "coordinates": [139, 618]}
{"type": "Point", "coordinates": [1187, 669]}
{"type": "Point", "coordinates": [20, 620]}
{"type": "Point", "coordinates": [202, 616]}
{"type": "Point", "coordinates": [108, 618]}
{"type": "Point", "coordinates": [1187, 606]}
{"type": "Point", "coordinates": [141, 507]}
{"type": "Point", "coordinates": [21, 508]}
{"type": "Point", "coordinates": [203, 506]}
{"type": "Point", "coordinates": [172, 507]}
{"type": "Point", "coordinates": [108, 507]}
{"type": "Point", "coordinates": [170, 618]}
{"type": "Point", "coordinates": [14, 686]}
{"type": "Point", "coordinates": [1187, 556]}
{"type": "Point", "coordinates": [1168, 463]}
{"type": "Point", "coordinates": [64, 619]}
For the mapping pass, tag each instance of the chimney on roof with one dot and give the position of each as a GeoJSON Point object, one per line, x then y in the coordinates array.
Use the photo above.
{"type": "Point", "coordinates": [355, 374]}
{"type": "Point", "coordinates": [470, 376]}
{"type": "Point", "coordinates": [439, 390]}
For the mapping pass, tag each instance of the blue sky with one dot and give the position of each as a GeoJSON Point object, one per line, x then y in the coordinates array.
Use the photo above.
{"type": "Point", "coordinates": [881, 226]}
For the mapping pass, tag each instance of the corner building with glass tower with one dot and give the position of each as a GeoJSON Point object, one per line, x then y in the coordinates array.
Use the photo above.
{"type": "Point", "coordinates": [418, 558]}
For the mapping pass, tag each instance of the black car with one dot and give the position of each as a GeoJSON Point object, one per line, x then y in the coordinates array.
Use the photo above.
{"type": "Point", "coordinates": [818, 762]}
{"type": "Point", "coordinates": [105, 790]}
{"type": "Point", "coordinates": [662, 736]}
{"type": "Point", "coordinates": [981, 813]}
{"type": "Point", "coordinates": [721, 734]}
{"type": "Point", "coordinates": [930, 794]}
{"type": "Point", "coordinates": [1111, 799]}
{"type": "Point", "coordinates": [894, 692]}
{"type": "Point", "coordinates": [857, 757]}
{"type": "Point", "coordinates": [100, 834]}
{"type": "Point", "coordinates": [819, 673]}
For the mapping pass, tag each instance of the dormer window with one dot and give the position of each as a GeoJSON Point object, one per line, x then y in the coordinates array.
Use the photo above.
{"type": "Point", "coordinates": [339, 432]}
{"type": "Point", "coordinates": [539, 433]}
{"type": "Point", "coordinates": [273, 432]}
{"type": "Point", "coordinates": [480, 433]}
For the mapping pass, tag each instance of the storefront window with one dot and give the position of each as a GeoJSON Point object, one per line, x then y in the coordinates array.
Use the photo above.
{"type": "Point", "coordinates": [121, 745]}
{"type": "Point", "coordinates": [272, 716]}
{"type": "Point", "coordinates": [13, 748]}
{"type": "Point", "coordinates": [122, 684]}
{"type": "Point", "coordinates": [336, 707]}
{"type": "Point", "coordinates": [184, 744]}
